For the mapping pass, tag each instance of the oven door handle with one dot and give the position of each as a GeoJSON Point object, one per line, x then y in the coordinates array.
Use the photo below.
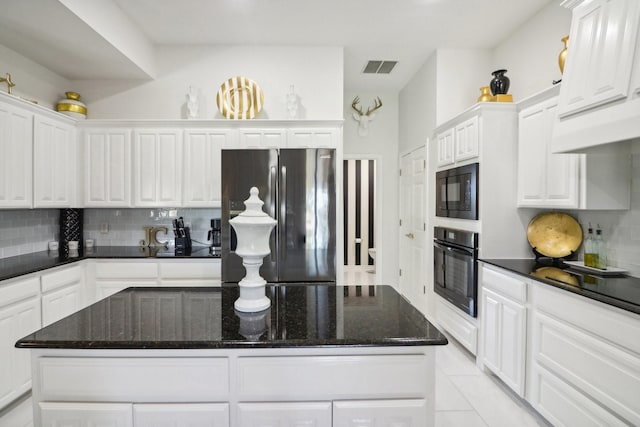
{"type": "Point", "coordinates": [453, 249]}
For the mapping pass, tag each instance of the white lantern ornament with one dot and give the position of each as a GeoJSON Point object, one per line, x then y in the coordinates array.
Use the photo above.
{"type": "Point", "coordinates": [253, 228]}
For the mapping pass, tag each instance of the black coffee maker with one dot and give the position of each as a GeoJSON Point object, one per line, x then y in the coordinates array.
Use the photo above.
{"type": "Point", "coordinates": [215, 236]}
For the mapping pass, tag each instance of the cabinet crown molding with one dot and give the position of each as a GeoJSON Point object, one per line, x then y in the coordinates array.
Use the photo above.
{"type": "Point", "coordinates": [213, 123]}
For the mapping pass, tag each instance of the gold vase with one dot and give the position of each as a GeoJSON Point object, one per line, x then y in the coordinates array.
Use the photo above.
{"type": "Point", "coordinates": [563, 53]}
{"type": "Point", "coordinates": [485, 94]}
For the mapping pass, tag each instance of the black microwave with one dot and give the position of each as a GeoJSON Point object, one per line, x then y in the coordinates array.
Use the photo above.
{"type": "Point", "coordinates": [457, 192]}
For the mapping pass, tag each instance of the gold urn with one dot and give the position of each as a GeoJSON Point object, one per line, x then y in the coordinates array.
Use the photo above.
{"type": "Point", "coordinates": [71, 106]}
{"type": "Point", "coordinates": [563, 53]}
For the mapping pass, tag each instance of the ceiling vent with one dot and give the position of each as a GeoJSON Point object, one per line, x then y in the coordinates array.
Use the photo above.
{"type": "Point", "coordinates": [379, 67]}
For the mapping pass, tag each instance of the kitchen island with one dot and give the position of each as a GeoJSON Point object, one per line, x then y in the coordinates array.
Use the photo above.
{"type": "Point", "coordinates": [321, 355]}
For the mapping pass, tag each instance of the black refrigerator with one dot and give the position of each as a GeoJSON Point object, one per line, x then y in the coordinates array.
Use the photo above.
{"type": "Point", "coordinates": [298, 188]}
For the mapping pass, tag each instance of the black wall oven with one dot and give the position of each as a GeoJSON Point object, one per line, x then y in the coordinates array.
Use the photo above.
{"type": "Point", "coordinates": [455, 260]}
{"type": "Point", "coordinates": [457, 192]}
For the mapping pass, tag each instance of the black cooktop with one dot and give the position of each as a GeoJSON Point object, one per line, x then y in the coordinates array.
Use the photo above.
{"type": "Point", "coordinates": [621, 291]}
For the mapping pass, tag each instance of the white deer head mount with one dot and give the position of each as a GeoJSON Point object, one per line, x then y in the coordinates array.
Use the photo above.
{"type": "Point", "coordinates": [363, 119]}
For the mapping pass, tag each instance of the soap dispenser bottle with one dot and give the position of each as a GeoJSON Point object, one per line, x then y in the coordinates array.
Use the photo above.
{"type": "Point", "coordinates": [590, 253]}
{"type": "Point", "coordinates": [601, 249]}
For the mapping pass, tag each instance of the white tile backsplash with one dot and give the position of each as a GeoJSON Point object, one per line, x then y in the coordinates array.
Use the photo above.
{"type": "Point", "coordinates": [24, 231]}
{"type": "Point", "coordinates": [126, 226]}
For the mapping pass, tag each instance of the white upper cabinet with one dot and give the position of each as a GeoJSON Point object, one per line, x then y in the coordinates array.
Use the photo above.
{"type": "Point", "coordinates": [54, 162]}
{"type": "Point", "coordinates": [202, 166]}
{"type": "Point", "coordinates": [445, 143]}
{"type": "Point", "coordinates": [157, 167]}
{"type": "Point", "coordinates": [467, 140]}
{"type": "Point", "coordinates": [263, 138]}
{"type": "Point", "coordinates": [597, 104]}
{"type": "Point", "coordinates": [107, 163]}
{"type": "Point", "coordinates": [312, 138]}
{"type": "Point", "coordinates": [576, 181]}
{"type": "Point", "coordinates": [600, 55]}
{"type": "Point", "coordinates": [16, 148]}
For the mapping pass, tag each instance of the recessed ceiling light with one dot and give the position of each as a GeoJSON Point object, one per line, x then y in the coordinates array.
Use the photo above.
{"type": "Point", "coordinates": [379, 67]}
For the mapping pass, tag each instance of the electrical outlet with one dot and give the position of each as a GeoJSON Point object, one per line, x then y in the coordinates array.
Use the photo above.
{"type": "Point", "coordinates": [104, 228]}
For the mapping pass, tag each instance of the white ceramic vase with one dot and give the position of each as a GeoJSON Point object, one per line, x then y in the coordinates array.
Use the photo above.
{"type": "Point", "coordinates": [253, 228]}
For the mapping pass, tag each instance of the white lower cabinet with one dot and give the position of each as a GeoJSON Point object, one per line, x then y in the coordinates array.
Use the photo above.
{"type": "Point", "coordinates": [380, 413]}
{"type": "Point", "coordinates": [19, 316]}
{"type": "Point", "coordinates": [280, 414]}
{"type": "Point", "coordinates": [585, 358]}
{"type": "Point", "coordinates": [504, 327]}
{"type": "Point", "coordinates": [181, 415]}
{"type": "Point", "coordinates": [80, 414]}
{"type": "Point", "coordinates": [62, 293]}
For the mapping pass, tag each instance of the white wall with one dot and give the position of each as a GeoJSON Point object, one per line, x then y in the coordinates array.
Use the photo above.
{"type": "Point", "coordinates": [316, 73]}
{"type": "Point", "coordinates": [380, 144]}
{"type": "Point", "coordinates": [32, 80]}
{"type": "Point", "coordinates": [531, 54]}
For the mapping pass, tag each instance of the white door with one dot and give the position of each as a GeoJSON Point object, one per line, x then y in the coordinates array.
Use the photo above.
{"type": "Point", "coordinates": [284, 414]}
{"type": "Point", "coordinates": [381, 413]}
{"type": "Point", "coordinates": [412, 227]}
{"type": "Point", "coordinates": [157, 167]}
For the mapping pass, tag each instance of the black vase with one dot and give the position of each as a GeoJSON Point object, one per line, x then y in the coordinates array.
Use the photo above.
{"type": "Point", "coordinates": [500, 83]}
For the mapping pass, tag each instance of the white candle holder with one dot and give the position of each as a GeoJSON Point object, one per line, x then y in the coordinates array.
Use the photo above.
{"type": "Point", "coordinates": [253, 228]}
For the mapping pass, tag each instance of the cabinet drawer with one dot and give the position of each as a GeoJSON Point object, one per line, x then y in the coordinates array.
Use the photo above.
{"type": "Point", "coordinates": [504, 284]}
{"type": "Point", "coordinates": [60, 278]}
{"type": "Point", "coordinates": [190, 270]}
{"type": "Point", "coordinates": [145, 379]}
{"type": "Point", "coordinates": [405, 413]}
{"type": "Point", "coordinates": [17, 290]}
{"type": "Point", "coordinates": [333, 377]}
{"type": "Point", "coordinates": [562, 405]}
{"type": "Point", "coordinates": [126, 270]}
{"type": "Point", "coordinates": [284, 414]}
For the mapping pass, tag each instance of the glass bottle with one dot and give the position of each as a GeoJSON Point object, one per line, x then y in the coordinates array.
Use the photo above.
{"type": "Point", "coordinates": [590, 254]}
{"type": "Point", "coordinates": [601, 250]}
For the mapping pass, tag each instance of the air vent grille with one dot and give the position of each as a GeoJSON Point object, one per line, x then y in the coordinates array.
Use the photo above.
{"type": "Point", "coordinates": [379, 67]}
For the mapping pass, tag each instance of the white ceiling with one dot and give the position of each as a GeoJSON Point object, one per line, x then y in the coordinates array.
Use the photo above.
{"type": "Point", "coordinates": [51, 33]}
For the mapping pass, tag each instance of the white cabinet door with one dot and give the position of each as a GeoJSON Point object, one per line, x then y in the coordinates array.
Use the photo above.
{"type": "Point", "coordinates": [467, 140]}
{"type": "Point", "coordinates": [202, 166]}
{"type": "Point", "coordinates": [77, 414]}
{"type": "Point", "coordinates": [16, 148]}
{"type": "Point", "coordinates": [19, 316]}
{"type": "Point", "coordinates": [157, 166]}
{"type": "Point", "coordinates": [263, 138]}
{"type": "Point", "coordinates": [381, 413]}
{"type": "Point", "coordinates": [54, 163]}
{"type": "Point", "coordinates": [312, 138]}
{"type": "Point", "coordinates": [280, 414]}
{"type": "Point", "coordinates": [544, 179]}
{"type": "Point", "coordinates": [62, 293]}
{"type": "Point", "coordinates": [107, 163]}
{"type": "Point", "coordinates": [599, 60]}
{"type": "Point", "coordinates": [181, 415]}
{"type": "Point", "coordinates": [445, 141]}
{"type": "Point", "coordinates": [491, 331]}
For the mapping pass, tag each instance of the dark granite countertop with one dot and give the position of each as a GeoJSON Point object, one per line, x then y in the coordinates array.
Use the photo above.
{"type": "Point", "coordinates": [301, 315]}
{"type": "Point", "coordinates": [619, 291]}
{"type": "Point", "coordinates": [25, 264]}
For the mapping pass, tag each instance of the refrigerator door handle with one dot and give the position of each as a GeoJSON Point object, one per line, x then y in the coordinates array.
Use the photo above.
{"type": "Point", "coordinates": [273, 171]}
{"type": "Point", "coordinates": [283, 211]}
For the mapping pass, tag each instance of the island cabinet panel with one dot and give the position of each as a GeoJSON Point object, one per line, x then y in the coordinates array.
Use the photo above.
{"type": "Point", "coordinates": [182, 414]}
{"type": "Point", "coordinates": [140, 379]}
{"type": "Point", "coordinates": [278, 414]}
{"type": "Point", "coordinates": [57, 414]}
{"type": "Point", "coordinates": [19, 315]}
{"type": "Point", "coordinates": [384, 413]}
{"type": "Point", "coordinates": [326, 377]}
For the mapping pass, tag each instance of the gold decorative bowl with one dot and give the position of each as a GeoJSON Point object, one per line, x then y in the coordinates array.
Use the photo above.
{"type": "Point", "coordinates": [554, 234]}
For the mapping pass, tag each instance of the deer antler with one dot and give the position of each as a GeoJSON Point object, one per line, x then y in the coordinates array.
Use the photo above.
{"type": "Point", "coordinates": [377, 104]}
{"type": "Point", "coordinates": [354, 104]}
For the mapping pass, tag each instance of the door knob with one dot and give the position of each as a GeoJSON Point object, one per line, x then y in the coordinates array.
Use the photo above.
{"type": "Point", "coordinates": [410, 235]}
